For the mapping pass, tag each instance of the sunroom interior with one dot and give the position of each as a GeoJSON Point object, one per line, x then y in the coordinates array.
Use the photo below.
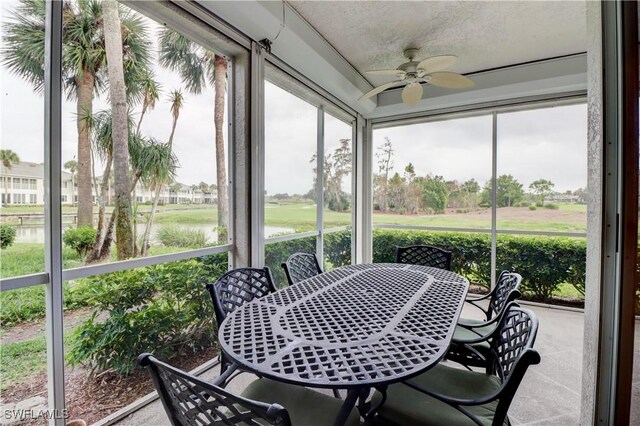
{"type": "Point", "coordinates": [313, 166]}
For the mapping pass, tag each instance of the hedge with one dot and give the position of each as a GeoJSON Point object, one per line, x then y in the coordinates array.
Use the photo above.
{"type": "Point", "coordinates": [544, 262]}
{"type": "Point", "coordinates": [162, 309]}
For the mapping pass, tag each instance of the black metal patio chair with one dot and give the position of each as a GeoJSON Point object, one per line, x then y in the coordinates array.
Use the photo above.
{"type": "Point", "coordinates": [452, 396]}
{"type": "Point", "coordinates": [300, 266]}
{"type": "Point", "coordinates": [234, 289]}
{"type": "Point", "coordinates": [189, 400]}
{"type": "Point", "coordinates": [424, 256]}
{"type": "Point", "coordinates": [470, 330]}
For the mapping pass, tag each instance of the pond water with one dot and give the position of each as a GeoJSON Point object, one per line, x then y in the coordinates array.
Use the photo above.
{"type": "Point", "coordinates": [35, 233]}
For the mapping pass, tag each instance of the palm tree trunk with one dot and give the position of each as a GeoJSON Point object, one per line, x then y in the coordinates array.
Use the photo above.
{"type": "Point", "coordinates": [220, 76]}
{"type": "Point", "coordinates": [144, 110]}
{"type": "Point", "coordinates": [147, 229]}
{"type": "Point", "coordinates": [136, 179]}
{"type": "Point", "coordinates": [84, 108]}
{"type": "Point", "coordinates": [98, 245]}
{"type": "Point", "coordinates": [120, 133]}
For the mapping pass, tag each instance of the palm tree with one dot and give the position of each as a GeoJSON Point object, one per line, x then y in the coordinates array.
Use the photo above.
{"type": "Point", "coordinates": [9, 158]}
{"type": "Point", "coordinates": [72, 166]}
{"type": "Point", "coordinates": [198, 67]}
{"type": "Point", "coordinates": [83, 62]}
{"type": "Point", "coordinates": [161, 170]}
{"type": "Point", "coordinates": [120, 131]}
{"type": "Point", "coordinates": [176, 99]}
{"type": "Point", "coordinates": [150, 89]}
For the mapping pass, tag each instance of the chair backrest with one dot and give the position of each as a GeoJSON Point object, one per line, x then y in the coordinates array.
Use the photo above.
{"type": "Point", "coordinates": [190, 401]}
{"type": "Point", "coordinates": [506, 290]}
{"type": "Point", "coordinates": [424, 256]}
{"type": "Point", "coordinates": [512, 353]}
{"type": "Point", "coordinates": [237, 287]}
{"type": "Point", "coordinates": [300, 266]}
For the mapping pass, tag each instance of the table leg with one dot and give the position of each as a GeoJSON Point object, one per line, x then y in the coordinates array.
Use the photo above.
{"type": "Point", "coordinates": [347, 406]}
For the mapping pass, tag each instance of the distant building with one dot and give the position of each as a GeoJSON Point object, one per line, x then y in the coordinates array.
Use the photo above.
{"type": "Point", "coordinates": [25, 185]}
{"type": "Point", "coordinates": [563, 198]}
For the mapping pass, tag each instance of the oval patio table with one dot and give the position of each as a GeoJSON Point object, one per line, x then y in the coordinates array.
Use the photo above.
{"type": "Point", "coordinates": [354, 327]}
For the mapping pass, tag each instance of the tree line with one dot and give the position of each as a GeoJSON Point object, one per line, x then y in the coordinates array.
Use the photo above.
{"type": "Point", "coordinates": [108, 51]}
{"type": "Point", "coordinates": [408, 193]}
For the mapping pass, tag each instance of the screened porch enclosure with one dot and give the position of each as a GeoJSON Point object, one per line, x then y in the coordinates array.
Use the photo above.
{"type": "Point", "coordinates": [250, 137]}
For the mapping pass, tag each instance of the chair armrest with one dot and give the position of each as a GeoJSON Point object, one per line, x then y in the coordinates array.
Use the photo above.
{"type": "Point", "coordinates": [224, 376]}
{"type": "Point", "coordinates": [470, 326]}
{"type": "Point", "coordinates": [473, 303]}
{"type": "Point", "coordinates": [473, 298]}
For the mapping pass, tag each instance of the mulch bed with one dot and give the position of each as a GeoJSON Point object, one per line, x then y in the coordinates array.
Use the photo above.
{"type": "Point", "coordinates": [94, 399]}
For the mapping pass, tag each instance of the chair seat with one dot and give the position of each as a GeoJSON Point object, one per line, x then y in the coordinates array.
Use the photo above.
{"type": "Point", "coordinates": [305, 406]}
{"type": "Point", "coordinates": [407, 406]}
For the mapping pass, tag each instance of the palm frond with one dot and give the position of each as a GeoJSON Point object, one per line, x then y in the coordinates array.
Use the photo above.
{"type": "Point", "coordinates": [186, 58]}
{"type": "Point", "coordinates": [23, 42]}
{"type": "Point", "coordinates": [156, 163]}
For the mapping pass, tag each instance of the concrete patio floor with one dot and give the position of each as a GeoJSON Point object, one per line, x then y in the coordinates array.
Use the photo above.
{"type": "Point", "coordinates": [549, 394]}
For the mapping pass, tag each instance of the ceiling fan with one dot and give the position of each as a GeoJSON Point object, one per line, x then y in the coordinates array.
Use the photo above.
{"type": "Point", "coordinates": [412, 74]}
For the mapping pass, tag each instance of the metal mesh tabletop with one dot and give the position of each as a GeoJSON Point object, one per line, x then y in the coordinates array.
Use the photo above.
{"type": "Point", "coordinates": [359, 325]}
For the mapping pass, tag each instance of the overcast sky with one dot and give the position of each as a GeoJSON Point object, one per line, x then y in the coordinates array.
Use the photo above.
{"type": "Point", "coordinates": [549, 143]}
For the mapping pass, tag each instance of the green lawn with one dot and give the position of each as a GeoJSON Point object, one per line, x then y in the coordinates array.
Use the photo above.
{"type": "Point", "coordinates": [21, 361]}
{"type": "Point", "coordinates": [24, 259]}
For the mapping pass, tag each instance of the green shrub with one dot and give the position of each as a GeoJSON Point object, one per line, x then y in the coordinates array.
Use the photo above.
{"type": "Point", "coordinates": [337, 249]}
{"type": "Point", "coordinates": [7, 235]}
{"type": "Point", "coordinates": [551, 206]}
{"type": "Point", "coordinates": [543, 262]}
{"type": "Point", "coordinates": [533, 208]}
{"type": "Point", "coordinates": [523, 204]}
{"type": "Point", "coordinates": [80, 239]}
{"type": "Point", "coordinates": [162, 309]}
{"type": "Point", "coordinates": [180, 236]}
{"type": "Point", "coordinates": [539, 204]}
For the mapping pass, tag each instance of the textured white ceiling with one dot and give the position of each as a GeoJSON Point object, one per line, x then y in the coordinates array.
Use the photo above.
{"type": "Point", "coordinates": [483, 34]}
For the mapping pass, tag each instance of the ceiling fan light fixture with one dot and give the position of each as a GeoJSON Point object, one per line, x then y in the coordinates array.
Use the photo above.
{"type": "Point", "coordinates": [412, 93]}
{"type": "Point", "coordinates": [413, 73]}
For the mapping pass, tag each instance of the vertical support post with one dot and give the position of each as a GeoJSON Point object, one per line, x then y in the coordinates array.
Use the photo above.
{"type": "Point", "coordinates": [231, 163]}
{"type": "Point", "coordinates": [494, 197]}
{"type": "Point", "coordinates": [257, 155]}
{"type": "Point", "coordinates": [363, 229]}
{"type": "Point", "coordinates": [53, 209]}
{"type": "Point", "coordinates": [355, 137]}
{"type": "Point", "coordinates": [320, 185]}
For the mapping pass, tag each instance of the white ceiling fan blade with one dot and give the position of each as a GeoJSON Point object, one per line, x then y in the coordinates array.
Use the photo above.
{"type": "Point", "coordinates": [449, 80]}
{"type": "Point", "coordinates": [412, 93]}
{"type": "Point", "coordinates": [399, 73]}
{"type": "Point", "coordinates": [378, 89]}
{"type": "Point", "coordinates": [437, 63]}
